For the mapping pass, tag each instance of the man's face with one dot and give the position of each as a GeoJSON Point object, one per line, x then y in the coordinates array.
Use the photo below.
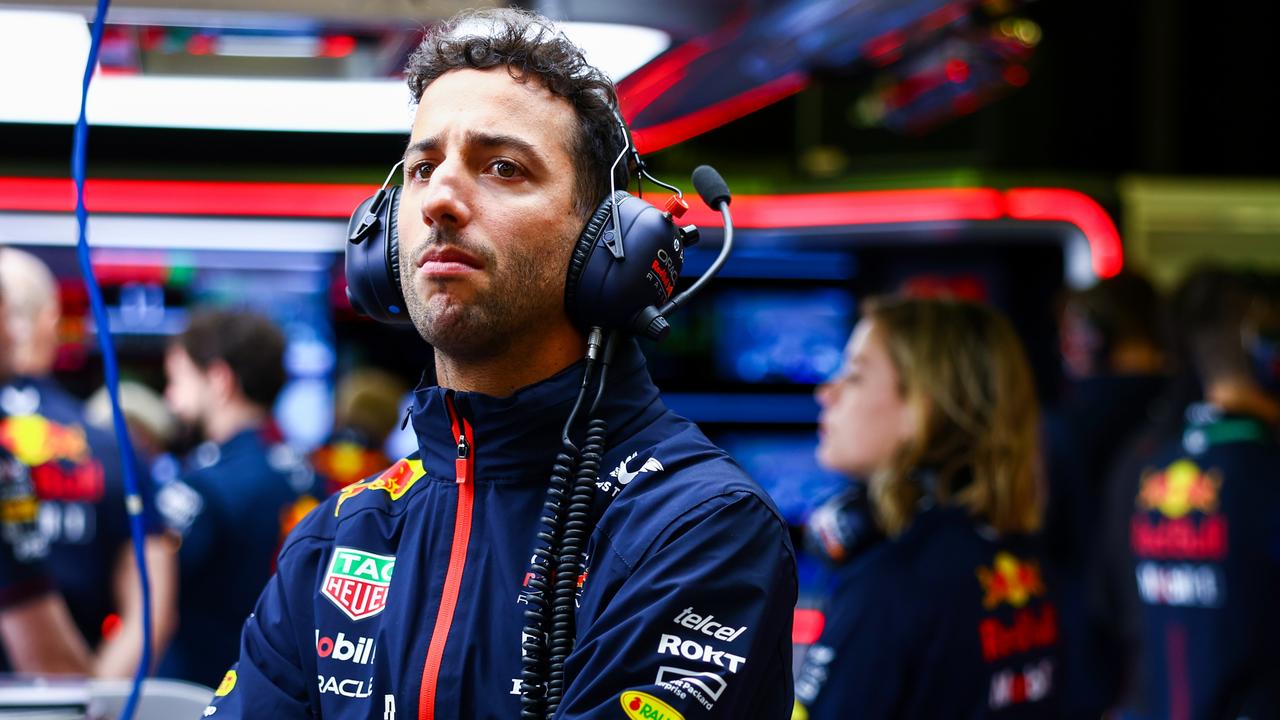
{"type": "Point", "coordinates": [487, 218]}
{"type": "Point", "coordinates": [188, 391]}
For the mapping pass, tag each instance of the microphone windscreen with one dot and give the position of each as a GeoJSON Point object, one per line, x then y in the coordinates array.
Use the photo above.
{"type": "Point", "coordinates": [710, 186]}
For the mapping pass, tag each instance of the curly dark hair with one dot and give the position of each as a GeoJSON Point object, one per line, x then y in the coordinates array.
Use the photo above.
{"type": "Point", "coordinates": [250, 344]}
{"type": "Point", "coordinates": [528, 44]}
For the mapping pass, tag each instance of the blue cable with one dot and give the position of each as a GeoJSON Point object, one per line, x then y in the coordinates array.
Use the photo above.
{"type": "Point", "coordinates": [133, 496]}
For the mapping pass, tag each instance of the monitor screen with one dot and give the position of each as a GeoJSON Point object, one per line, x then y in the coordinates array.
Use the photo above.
{"type": "Point", "coordinates": [787, 336]}
{"type": "Point", "coordinates": [784, 465]}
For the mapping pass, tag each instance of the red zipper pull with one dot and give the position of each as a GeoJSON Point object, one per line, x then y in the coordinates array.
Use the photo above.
{"type": "Point", "coordinates": [462, 466]}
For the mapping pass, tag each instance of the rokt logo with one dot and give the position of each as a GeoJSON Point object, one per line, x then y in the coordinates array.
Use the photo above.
{"type": "Point", "coordinates": [395, 480]}
{"type": "Point", "coordinates": [1181, 489]}
{"type": "Point", "coordinates": [360, 652]}
{"type": "Point", "coordinates": [357, 581]}
{"type": "Point", "coordinates": [643, 706]}
{"type": "Point", "coordinates": [693, 650]}
{"type": "Point", "coordinates": [1010, 580]}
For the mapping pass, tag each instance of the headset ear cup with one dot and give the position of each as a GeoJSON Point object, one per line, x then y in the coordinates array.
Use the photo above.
{"type": "Point", "coordinates": [373, 259]}
{"type": "Point", "coordinates": [603, 291]}
{"type": "Point", "coordinates": [582, 252]}
{"type": "Point", "coordinates": [393, 244]}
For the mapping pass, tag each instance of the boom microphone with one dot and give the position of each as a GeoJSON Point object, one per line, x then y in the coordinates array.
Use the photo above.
{"type": "Point", "coordinates": [710, 186]}
{"type": "Point", "coordinates": [715, 193]}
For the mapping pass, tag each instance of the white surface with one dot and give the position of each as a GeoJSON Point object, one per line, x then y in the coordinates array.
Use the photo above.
{"type": "Point", "coordinates": [42, 56]}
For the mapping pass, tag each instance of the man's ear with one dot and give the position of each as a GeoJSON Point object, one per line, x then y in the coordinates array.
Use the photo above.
{"type": "Point", "coordinates": [223, 384]}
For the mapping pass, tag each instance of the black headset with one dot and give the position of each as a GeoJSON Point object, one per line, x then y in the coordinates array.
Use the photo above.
{"type": "Point", "coordinates": [622, 272]}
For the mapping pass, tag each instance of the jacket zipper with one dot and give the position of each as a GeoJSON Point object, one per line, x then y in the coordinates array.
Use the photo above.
{"type": "Point", "coordinates": [463, 467]}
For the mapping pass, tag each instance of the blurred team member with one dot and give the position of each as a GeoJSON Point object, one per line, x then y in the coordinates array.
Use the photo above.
{"type": "Point", "coordinates": [365, 413]}
{"type": "Point", "coordinates": [1196, 522]}
{"type": "Point", "coordinates": [37, 633]}
{"type": "Point", "coordinates": [948, 617]}
{"type": "Point", "coordinates": [242, 487]}
{"type": "Point", "coordinates": [151, 426]}
{"type": "Point", "coordinates": [77, 473]}
{"type": "Point", "coordinates": [1113, 349]}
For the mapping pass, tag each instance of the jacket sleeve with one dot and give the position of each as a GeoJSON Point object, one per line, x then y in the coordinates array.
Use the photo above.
{"type": "Point", "coordinates": [701, 625]}
{"type": "Point", "coordinates": [269, 680]}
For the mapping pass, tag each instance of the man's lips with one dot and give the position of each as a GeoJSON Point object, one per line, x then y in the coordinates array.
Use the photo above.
{"type": "Point", "coordinates": [442, 261]}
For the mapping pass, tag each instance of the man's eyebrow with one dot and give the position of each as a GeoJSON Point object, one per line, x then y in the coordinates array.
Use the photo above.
{"type": "Point", "coordinates": [482, 139]}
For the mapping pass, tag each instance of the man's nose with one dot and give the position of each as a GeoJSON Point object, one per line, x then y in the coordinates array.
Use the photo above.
{"type": "Point", "coordinates": [823, 393]}
{"type": "Point", "coordinates": [446, 197]}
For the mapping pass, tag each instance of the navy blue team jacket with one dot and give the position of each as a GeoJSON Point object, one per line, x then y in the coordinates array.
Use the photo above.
{"type": "Point", "coordinates": [945, 621]}
{"type": "Point", "coordinates": [1204, 543]}
{"type": "Point", "coordinates": [23, 575]}
{"type": "Point", "coordinates": [402, 596]}
{"type": "Point", "coordinates": [233, 509]}
{"type": "Point", "coordinates": [78, 476]}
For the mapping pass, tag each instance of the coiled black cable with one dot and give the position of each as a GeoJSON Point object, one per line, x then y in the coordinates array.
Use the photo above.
{"type": "Point", "coordinates": [571, 558]}
{"type": "Point", "coordinates": [535, 672]}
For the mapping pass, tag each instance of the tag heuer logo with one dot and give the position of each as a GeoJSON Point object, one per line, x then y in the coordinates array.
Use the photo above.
{"type": "Point", "coordinates": [357, 581]}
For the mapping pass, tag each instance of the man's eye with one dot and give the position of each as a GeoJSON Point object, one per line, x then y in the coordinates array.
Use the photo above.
{"type": "Point", "coordinates": [421, 171]}
{"type": "Point", "coordinates": [505, 169]}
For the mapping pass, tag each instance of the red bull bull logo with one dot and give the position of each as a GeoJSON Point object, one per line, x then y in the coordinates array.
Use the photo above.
{"type": "Point", "coordinates": [1180, 489]}
{"type": "Point", "coordinates": [1010, 580]}
{"type": "Point", "coordinates": [1177, 516]}
{"type": "Point", "coordinates": [395, 481]}
{"type": "Point", "coordinates": [35, 440]}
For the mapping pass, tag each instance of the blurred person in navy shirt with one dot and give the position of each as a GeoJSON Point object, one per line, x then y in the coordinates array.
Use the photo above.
{"type": "Point", "coordinates": [950, 616]}
{"type": "Point", "coordinates": [1192, 581]}
{"type": "Point", "coordinates": [78, 476]}
{"type": "Point", "coordinates": [1114, 352]}
{"type": "Point", "coordinates": [37, 633]}
{"type": "Point", "coordinates": [242, 491]}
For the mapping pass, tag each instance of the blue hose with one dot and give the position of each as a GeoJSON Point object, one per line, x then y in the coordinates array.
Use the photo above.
{"type": "Point", "coordinates": [133, 495]}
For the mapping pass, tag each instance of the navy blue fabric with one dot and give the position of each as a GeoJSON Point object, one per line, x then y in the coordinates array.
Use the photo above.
{"type": "Point", "coordinates": [1083, 437]}
{"type": "Point", "coordinates": [232, 508]}
{"type": "Point", "coordinates": [1203, 555]}
{"type": "Point", "coordinates": [932, 625]}
{"type": "Point", "coordinates": [78, 477]}
{"type": "Point", "coordinates": [687, 597]}
{"type": "Point", "coordinates": [23, 574]}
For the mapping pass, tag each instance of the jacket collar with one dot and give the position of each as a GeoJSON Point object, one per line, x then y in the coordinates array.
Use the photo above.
{"type": "Point", "coordinates": [517, 437]}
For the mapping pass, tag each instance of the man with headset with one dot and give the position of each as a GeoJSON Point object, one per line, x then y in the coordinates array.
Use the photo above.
{"type": "Point", "coordinates": [412, 593]}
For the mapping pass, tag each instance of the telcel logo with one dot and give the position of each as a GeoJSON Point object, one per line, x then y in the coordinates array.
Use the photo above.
{"type": "Point", "coordinates": [706, 625]}
{"type": "Point", "coordinates": [360, 652]}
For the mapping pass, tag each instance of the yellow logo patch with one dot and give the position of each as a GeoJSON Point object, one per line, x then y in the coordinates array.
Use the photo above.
{"type": "Point", "coordinates": [228, 684]}
{"type": "Point", "coordinates": [395, 481]}
{"type": "Point", "coordinates": [1182, 488]}
{"type": "Point", "coordinates": [1010, 580]}
{"type": "Point", "coordinates": [643, 706]}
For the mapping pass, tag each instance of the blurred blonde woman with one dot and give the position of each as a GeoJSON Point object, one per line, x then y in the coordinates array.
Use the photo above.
{"type": "Point", "coordinates": [949, 616]}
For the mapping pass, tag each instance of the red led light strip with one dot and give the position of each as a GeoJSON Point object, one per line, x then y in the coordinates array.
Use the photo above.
{"type": "Point", "coordinates": [839, 209]}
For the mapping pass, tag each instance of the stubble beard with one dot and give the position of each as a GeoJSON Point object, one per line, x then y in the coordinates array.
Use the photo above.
{"type": "Point", "coordinates": [526, 287]}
